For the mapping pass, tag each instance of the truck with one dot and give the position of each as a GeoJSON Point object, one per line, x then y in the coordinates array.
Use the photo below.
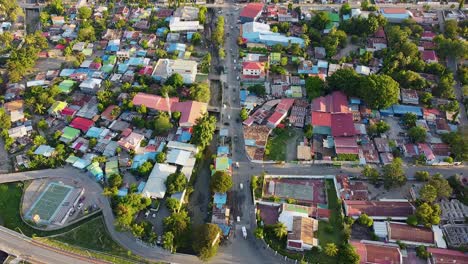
{"type": "Point", "coordinates": [244, 232]}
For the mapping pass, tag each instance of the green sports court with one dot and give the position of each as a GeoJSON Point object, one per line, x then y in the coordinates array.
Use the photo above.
{"type": "Point", "coordinates": [48, 203]}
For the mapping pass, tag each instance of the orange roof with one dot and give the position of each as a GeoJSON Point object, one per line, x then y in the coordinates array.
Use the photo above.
{"type": "Point", "coordinates": [154, 102]}
{"type": "Point", "coordinates": [190, 111]}
{"type": "Point", "coordinates": [252, 65]}
{"type": "Point", "coordinates": [394, 10]}
{"type": "Point", "coordinates": [13, 105]}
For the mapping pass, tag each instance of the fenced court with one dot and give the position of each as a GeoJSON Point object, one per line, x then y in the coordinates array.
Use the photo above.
{"type": "Point", "coordinates": [48, 203]}
{"type": "Point", "coordinates": [311, 191]}
{"type": "Point", "coordinates": [296, 191]}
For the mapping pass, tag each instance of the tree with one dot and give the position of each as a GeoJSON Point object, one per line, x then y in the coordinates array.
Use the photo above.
{"type": "Point", "coordinates": [39, 140]}
{"type": "Point", "coordinates": [393, 174]}
{"type": "Point", "coordinates": [161, 157]}
{"type": "Point", "coordinates": [10, 9]}
{"type": "Point", "coordinates": [428, 215]}
{"type": "Point", "coordinates": [258, 232]}
{"type": "Point", "coordinates": [421, 251]}
{"type": "Point", "coordinates": [176, 115]}
{"type": "Point", "coordinates": [257, 89]}
{"type": "Point", "coordinates": [138, 230]}
{"type": "Point", "coordinates": [206, 240]}
{"type": "Point", "coordinates": [162, 124]}
{"type": "Point", "coordinates": [86, 34]}
{"type": "Point", "coordinates": [175, 80]}
{"type": "Point", "coordinates": [115, 180]}
{"type": "Point", "coordinates": [452, 48]}
{"type": "Point", "coordinates": [426, 99]}
{"type": "Point", "coordinates": [458, 145]}
{"type": "Point", "coordinates": [417, 134]}
{"type": "Point", "coordinates": [42, 125]}
{"type": "Point", "coordinates": [422, 176]}
{"type": "Point", "coordinates": [309, 131]}
{"type": "Point", "coordinates": [410, 80]}
{"type": "Point", "coordinates": [196, 39]}
{"type": "Point", "coordinates": [203, 131]}
{"type": "Point", "coordinates": [345, 9]}
{"type": "Point", "coordinates": [5, 119]}
{"type": "Point", "coordinates": [428, 193]}
{"type": "Point", "coordinates": [348, 255]}
{"type": "Point", "coordinates": [221, 182]}
{"type": "Point", "coordinates": [451, 29]}
{"type": "Point", "coordinates": [412, 220]}
{"type": "Point", "coordinates": [176, 182]}
{"type": "Point", "coordinates": [444, 190]}
{"type": "Point", "coordinates": [445, 86]}
{"type": "Point", "coordinates": [172, 204]}
{"type": "Point", "coordinates": [56, 7]}
{"type": "Point", "coordinates": [200, 92]}
{"type": "Point", "coordinates": [280, 230]}
{"type": "Point", "coordinates": [142, 109]}
{"type": "Point", "coordinates": [331, 249]}
{"type": "Point", "coordinates": [178, 223]}
{"type": "Point", "coordinates": [409, 119]}
{"type": "Point", "coordinates": [202, 14]}
{"type": "Point", "coordinates": [365, 220]}
{"type": "Point", "coordinates": [320, 20]}
{"type": "Point", "coordinates": [84, 12]}
{"type": "Point", "coordinates": [346, 80]}
{"type": "Point", "coordinates": [244, 114]}
{"type": "Point", "coordinates": [379, 127]}
{"type": "Point", "coordinates": [379, 91]}
{"type": "Point", "coordinates": [168, 241]}
{"type": "Point", "coordinates": [371, 173]}
{"type": "Point", "coordinates": [314, 87]}
{"type": "Point", "coordinates": [145, 169]}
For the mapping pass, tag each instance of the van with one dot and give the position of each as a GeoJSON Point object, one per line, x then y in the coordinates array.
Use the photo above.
{"type": "Point", "coordinates": [238, 218]}
{"type": "Point", "coordinates": [241, 186]}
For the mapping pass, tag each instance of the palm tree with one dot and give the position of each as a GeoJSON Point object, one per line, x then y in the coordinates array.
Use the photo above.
{"type": "Point", "coordinates": [168, 241]}
{"type": "Point", "coordinates": [280, 230]}
{"type": "Point", "coordinates": [39, 109]}
{"type": "Point", "coordinates": [331, 249]}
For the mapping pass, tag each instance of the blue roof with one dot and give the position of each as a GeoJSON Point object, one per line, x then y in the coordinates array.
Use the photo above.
{"type": "Point", "coordinates": [141, 186]}
{"type": "Point", "coordinates": [189, 35]}
{"type": "Point", "coordinates": [67, 72]}
{"type": "Point", "coordinates": [176, 47]}
{"type": "Point", "coordinates": [243, 95]}
{"type": "Point", "coordinates": [403, 109]}
{"type": "Point", "coordinates": [354, 101]}
{"type": "Point", "coordinates": [139, 159]}
{"type": "Point", "coordinates": [160, 31]}
{"type": "Point", "coordinates": [141, 53]}
{"type": "Point", "coordinates": [225, 229]}
{"type": "Point", "coordinates": [134, 61]}
{"type": "Point", "coordinates": [122, 67]}
{"type": "Point", "coordinates": [185, 137]}
{"type": "Point", "coordinates": [94, 132]}
{"type": "Point", "coordinates": [122, 192]}
{"type": "Point", "coordinates": [219, 199]}
{"type": "Point", "coordinates": [223, 150]}
{"type": "Point", "coordinates": [252, 142]}
{"type": "Point", "coordinates": [113, 48]}
{"type": "Point", "coordinates": [322, 130]}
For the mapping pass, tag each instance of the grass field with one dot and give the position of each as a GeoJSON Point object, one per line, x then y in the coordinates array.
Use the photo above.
{"type": "Point", "coordinates": [277, 145]}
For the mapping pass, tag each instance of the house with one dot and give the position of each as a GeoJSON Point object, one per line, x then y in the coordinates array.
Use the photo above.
{"type": "Point", "coordinates": [302, 235]}
{"type": "Point", "coordinates": [346, 145]}
{"type": "Point", "coordinates": [155, 186]}
{"type": "Point", "coordinates": [187, 13]}
{"type": "Point", "coordinates": [91, 85]}
{"type": "Point", "coordinates": [165, 68]}
{"type": "Point", "coordinates": [57, 20]}
{"type": "Point", "coordinates": [253, 69]}
{"type": "Point", "coordinates": [363, 70]}
{"type": "Point", "coordinates": [253, 32]}
{"type": "Point", "coordinates": [382, 144]}
{"type": "Point", "coordinates": [415, 235]}
{"type": "Point", "coordinates": [251, 12]}
{"type": "Point", "coordinates": [281, 111]}
{"type": "Point", "coordinates": [429, 56]}
{"type": "Point", "coordinates": [445, 256]}
{"type": "Point", "coordinates": [409, 96]}
{"type": "Point", "coordinates": [342, 125]}
{"type": "Point", "coordinates": [395, 15]}
{"type": "Point", "coordinates": [379, 210]}
{"type": "Point", "coordinates": [69, 134]}
{"type": "Point", "coordinates": [155, 102]}
{"type": "Point", "coordinates": [377, 252]}
{"type": "Point", "coordinates": [108, 114]}
{"type": "Point", "coordinates": [190, 111]}
{"type": "Point", "coordinates": [442, 126]}
{"type": "Point", "coordinates": [56, 108]}
{"type": "Point", "coordinates": [14, 105]}
{"type": "Point", "coordinates": [426, 151]}
{"type": "Point", "coordinates": [132, 141]}
{"type": "Point", "coordinates": [16, 115]}
{"type": "Point", "coordinates": [82, 124]}
{"type": "Point", "coordinates": [17, 132]}
{"type": "Point", "coordinates": [177, 25]}
{"type": "Point", "coordinates": [289, 211]}
{"type": "Point", "coordinates": [428, 35]}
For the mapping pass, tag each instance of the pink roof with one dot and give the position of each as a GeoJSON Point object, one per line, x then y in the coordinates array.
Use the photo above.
{"type": "Point", "coordinates": [253, 65]}
{"type": "Point", "coordinates": [335, 102]}
{"type": "Point", "coordinates": [154, 102]}
{"type": "Point", "coordinates": [251, 10]}
{"type": "Point", "coordinates": [428, 111]}
{"type": "Point", "coordinates": [67, 111]}
{"type": "Point", "coordinates": [429, 55]}
{"type": "Point", "coordinates": [342, 125]}
{"type": "Point", "coordinates": [411, 150]}
{"type": "Point", "coordinates": [428, 34]}
{"type": "Point", "coordinates": [423, 147]}
{"type": "Point", "coordinates": [380, 33]}
{"type": "Point", "coordinates": [346, 142]}
{"type": "Point", "coordinates": [284, 105]}
{"type": "Point", "coordinates": [82, 124]}
{"type": "Point", "coordinates": [190, 111]}
{"type": "Point", "coordinates": [107, 114]}
{"type": "Point", "coordinates": [321, 119]}
{"type": "Point", "coordinates": [393, 10]}
{"type": "Point", "coordinates": [445, 256]}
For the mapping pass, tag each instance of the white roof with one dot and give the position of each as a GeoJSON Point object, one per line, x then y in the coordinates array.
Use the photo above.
{"type": "Point", "coordinates": [178, 156]}
{"type": "Point", "coordinates": [286, 217]}
{"type": "Point", "coordinates": [155, 186]}
{"type": "Point", "coordinates": [176, 25]}
{"type": "Point", "coordinates": [364, 70]}
{"type": "Point", "coordinates": [182, 146]}
{"type": "Point", "coordinates": [380, 229]}
{"type": "Point", "coordinates": [251, 27]}
{"type": "Point", "coordinates": [439, 237]}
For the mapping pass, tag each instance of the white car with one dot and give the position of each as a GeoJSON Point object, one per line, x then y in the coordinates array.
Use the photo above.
{"type": "Point", "coordinates": [241, 186]}
{"type": "Point", "coordinates": [147, 213]}
{"type": "Point", "coordinates": [80, 206]}
{"type": "Point", "coordinates": [238, 77]}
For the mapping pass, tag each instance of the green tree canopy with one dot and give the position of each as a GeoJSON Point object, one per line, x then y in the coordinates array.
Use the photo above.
{"type": "Point", "coordinates": [221, 182]}
{"type": "Point", "coordinates": [280, 230]}
{"type": "Point", "coordinates": [162, 124]}
{"type": "Point", "coordinates": [314, 87]}
{"type": "Point", "coordinates": [444, 190]}
{"type": "Point", "coordinates": [206, 240]}
{"type": "Point", "coordinates": [257, 89]}
{"type": "Point", "coordinates": [176, 182]}
{"type": "Point", "coordinates": [203, 131]}
{"type": "Point", "coordinates": [244, 114]}
{"type": "Point", "coordinates": [428, 215]}
{"type": "Point", "coordinates": [331, 249]}
{"type": "Point", "coordinates": [393, 174]}
{"type": "Point", "coordinates": [417, 134]}
{"type": "Point", "coordinates": [175, 80]}
{"type": "Point", "coordinates": [365, 220]}
{"type": "Point", "coordinates": [379, 91]}
{"type": "Point", "coordinates": [200, 92]}
{"type": "Point", "coordinates": [172, 204]}
{"type": "Point", "coordinates": [458, 143]}
{"type": "Point", "coordinates": [346, 80]}
{"type": "Point", "coordinates": [428, 193]}
{"type": "Point", "coordinates": [84, 12]}
{"type": "Point", "coordinates": [422, 175]}
{"type": "Point", "coordinates": [371, 173]}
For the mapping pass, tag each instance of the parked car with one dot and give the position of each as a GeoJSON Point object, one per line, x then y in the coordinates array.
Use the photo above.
{"type": "Point", "coordinates": [147, 213]}
{"type": "Point", "coordinates": [80, 205]}
{"type": "Point", "coordinates": [159, 240]}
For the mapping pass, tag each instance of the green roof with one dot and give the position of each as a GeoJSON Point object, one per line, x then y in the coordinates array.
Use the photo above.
{"type": "Point", "coordinates": [222, 163]}
{"type": "Point", "coordinates": [57, 107]}
{"type": "Point", "coordinates": [107, 68]}
{"type": "Point", "coordinates": [72, 159]}
{"type": "Point", "coordinates": [70, 133]}
{"type": "Point", "coordinates": [94, 169]}
{"type": "Point", "coordinates": [296, 208]}
{"type": "Point", "coordinates": [322, 130]}
{"type": "Point", "coordinates": [112, 167]}
{"type": "Point", "coordinates": [87, 52]}
{"type": "Point", "coordinates": [296, 91]}
{"type": "Point", "coordinates": [334, 17]}
{"type": "Point", "coordinates": [66, 86]}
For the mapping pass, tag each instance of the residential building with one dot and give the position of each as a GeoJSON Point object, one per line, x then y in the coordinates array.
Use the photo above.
{"type": "Point", "coordinates": [190, 111]}
{"type": "Point", "coordinates": [446, 256]}
{"type": "Point", "coordinates": [166, 67]}
{"type": "Point", "coordinates": [251, 12]}
{"type": "Point", "coordinates": [132, 141]}
{"type": "Point", "coordinates": [177, 25]}
{"type": "Point", "coordinates": [373, 252]}
{"type": "Point", "coordinates": [415, 235]}
{"type": "Point", "coordinates": [253, 32]}
{"type": "Point", "coordinates": [155, 186]}
{"type": "Point", "coordinates": [91, 85]}
{"type": "Point", "coordinates": [302, 235]}
{"type": "Point", "coordinates": [379, 210]}
{"type": "Point", "coordinates": [155, 102]}
{"type": "Point", "coordinates": [409, 96]}
{"type": "Point", "coordinates": [395, 15]}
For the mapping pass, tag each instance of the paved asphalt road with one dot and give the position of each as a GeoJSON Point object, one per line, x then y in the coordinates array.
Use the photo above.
{"type": "Point", "coordinates": [24, 248]}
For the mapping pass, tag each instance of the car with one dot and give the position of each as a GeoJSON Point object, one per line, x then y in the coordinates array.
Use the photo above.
{"type": "Point", "coordinates": [80, 205]}
{"type": "Point", "coordinates": [238, 78]}
{"type": "Point", "coordinates": [154, 215]}
{"type": "Point", "coordinates": [226, 123]}
{"type": "Point", "coordinates": [244, 232]}
{"type": "Point", "coordinates": [237, 166]}
{"type": "Point", "coordinates": [236, 138]}
{"type": "Point", "coordinates": [238, 218]}
{"type": "Point", "coordinates": [235, 61]}
{"type": "Point", "coordinates": [241, 186]}
{"type": "Point", "coordinates": [159, 240]}
{"type": "Point", "coordinates": [71, 212]}
{"type": "Point", "coordinates": [147, 214]}
{"type": "Point", "coordinates": [231, 27]}
{"type": "Point", "coordinates": [238, 120]}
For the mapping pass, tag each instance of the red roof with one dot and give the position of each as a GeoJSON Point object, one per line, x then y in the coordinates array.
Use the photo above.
{"type": "Point", "coordinates": [107, 114]}
{"type": "Point", "coordinates": [252, 10]}
{"type": "Point", "coordinates": [294, 244]}
{"type": "Point", "coordinates": [284, 105]}
{"type": "Point", "coordinates": [276, 117]}
{"type": "Point", "coordinates": [342, 125]}
{"type": "Point", "coordinates": [253, 65]}
{"type": "Point", "coordinates": [67, 111]}
{"type": "Point", "coordinates": [321, 119]}
{"type": "Point", "coordinates": [379, 208]}
{"type": "Point", "coordinates": [377, 253]}
{"type": "Point", "coordinates": [154, 102]}
{"type": "Point", "coordinates": [335, 102]}
{"type": "Point", "coordinates": [82, 124]}
{"type": "Point", "coordinates": [441, 149]}
{"type": "Point", "coordinates": [346, 142]}
{"type": "Point", "coordinates": [410, 233]}
{"type": "Point", "coordinates": [380, 33]}
{"type": "Point", "coordinates": [190, 111]}
{"type": "Point", "coordinates": [394, 11]}
{"type": "Point", "coordinates": [428, 55]}
{"type": "Point", "coordinates": [428, 34]}
{"type": "Point", "coordinates": [447, 256]}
